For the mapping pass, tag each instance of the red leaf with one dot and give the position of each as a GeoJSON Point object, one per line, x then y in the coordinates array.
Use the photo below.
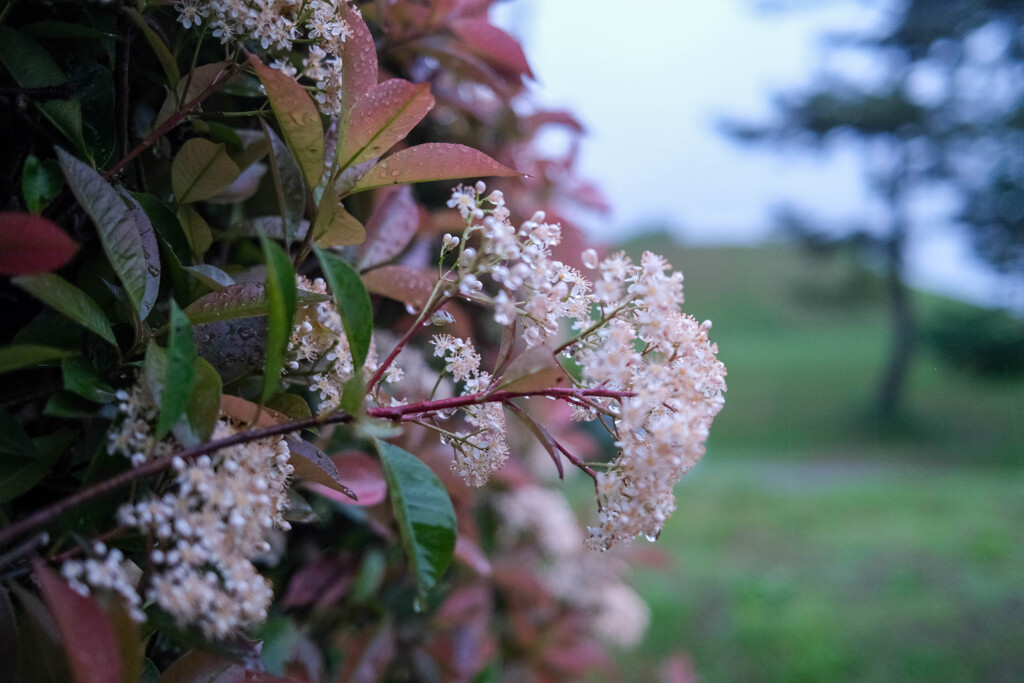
{"type": "Point", "coordinates": [471, 555]}
{"type": "Point", "coordinates": [402, 283]}
{"type": "Point", "coordinates": [32, 244]}
{"type": "Point", "coordinates": [359, 472]}
{"type": "Point", "coordinates": [196, 666]}
{"type": "Point", "coordinates": [432, 161]}
{"type": "Point", "coordinates": [382, 117]}
{"type": "Point", "coordinates": [392, 225]}
{"type": "Point", "coordinates": [493, 45]}
{"type": "Point", "coordinates": [359, 60]}
{"type": "Point", "coordinates": [90, 639]}
{"type": "Point", "coordinates": [464, 63]}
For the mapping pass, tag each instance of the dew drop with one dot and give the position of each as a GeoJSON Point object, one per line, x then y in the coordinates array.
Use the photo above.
{"type": "Point", "coordinates": [410, 309]}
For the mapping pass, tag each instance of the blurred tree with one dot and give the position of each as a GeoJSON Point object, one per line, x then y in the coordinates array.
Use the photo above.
{"type": "Point", "coordinates": [945, 104]}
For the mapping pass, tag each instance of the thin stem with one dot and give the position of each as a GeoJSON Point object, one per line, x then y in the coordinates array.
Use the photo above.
{"type": "Point", "coordinates": [172, 121]}
{"type": "Point", "coordinates": [48, 514]}
{"type": "Point", "coordinates": [433, 303]}
{"type": "Point", "coordinates": [590, 330]}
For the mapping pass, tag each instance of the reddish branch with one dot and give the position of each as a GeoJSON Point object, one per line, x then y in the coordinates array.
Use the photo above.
{"type": "Point", "coordinates": [404, 413]}
{"type": "Point", "coordinates": [168, 125]}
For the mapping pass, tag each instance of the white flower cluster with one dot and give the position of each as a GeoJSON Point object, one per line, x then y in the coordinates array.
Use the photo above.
{"type": "Point", "coordinates": [534, 287]}
{"type": "Point", "coordinates": [319, 347]}
{"type": "Point", "coordinates": [106, 570]}
{"type": "Point", "coordinates": [279, 25]}
{"type": "Point", "coordinates": [481, 452]}
{"type": "Point", "coordinates": [206, 527]}
{"type": "Point", "coordinates": [633, 339]}
{"type": "Point", "coordinates": [665, 359]}
{"type": "Point", "coordinates": [618, 615]}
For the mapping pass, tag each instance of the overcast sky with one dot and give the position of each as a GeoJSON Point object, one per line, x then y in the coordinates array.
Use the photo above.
{"type": "Point", "coordinates": [650, 80]}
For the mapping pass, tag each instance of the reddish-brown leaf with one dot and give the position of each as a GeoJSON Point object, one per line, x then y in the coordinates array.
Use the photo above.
{"type": "Point", "coordinates": [532, 370]}
{"type": "Point", "coordinates": [432, 161]}
{"type": "Point", "coordinates": [89, 636]}
{"type": "Point", "coordinates": [362, 474]}
{"type": "Point", "coordinates": [32, 244]}
{"type": "Point", "coordinates": [402, 283]}
{"type": "Point", "coordinates": [392, 225]}
{"type": "Point", "coordinates": [358, 59]}
{"type": "Point", "coordinates": [471, 555]}
{"type": "Point", "coordinates": [380, 118]}
{"type": "Point", "coordinates": [298, 117]}
{"type": "Point", "coordinates": [461, 62]}
{"type": "Point", "coordinates": [493, 45]}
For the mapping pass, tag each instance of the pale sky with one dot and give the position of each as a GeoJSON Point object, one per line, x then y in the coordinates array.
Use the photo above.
{"type": "Point", "coordinates": [649, 81]}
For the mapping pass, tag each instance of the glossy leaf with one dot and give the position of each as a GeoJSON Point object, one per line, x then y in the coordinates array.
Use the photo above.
{"type": "Point", "coordinates": [41, 182]}
{"type": "Point", "coordinates": [290, 405]}
{"type": "Point", "coordinates": [312, 464]}
{"type": "Point", "coordinates": [203, 407]}
{"type": "Point", "coordinates": [150, 253]}
{"type": "Point", "coordinates": [432, 161]}
{"type": "Point", "coordinates": [362, 474]}
{"type": "Point", "coordinates": [410, 286]}
{"type": "Point", "coordinates": [493, 45]}
{"type": "Point", "coordinates": [425, 516]}
{"type": "Point", "coordinates": [244, 186]}
{"type": "Point", "coordinates": [80, 377]}
{"type": "Point", "coordinates": [18, 356]}
{"type": "Point", "coordinates": [32, 244]}
{"type": "Point", "coordinates": [381, 118]}
{"type": "Point", "coordinates": [291, 193]}
{"type": "Point", "coordinates": [88, 634]}
{"type": "Point", "coordinates": [281, 305]}
{"type": "Point", "coordinates": [211, 276]}
{"type": "Point", "coordinates": [201, 78]}
{"type": "Point", "coordinates": [124, 229]}
{"type": "Point", "coordinates": [298, 117]}
{"type": "Point", "coordinates": [358, 61]}
{"type": "Point", "coordinates": [156, 43]}
{"type": "Point", "coordinates": [533, 370]}
{"type": "Point", "coordinates": [353, 304]}
{"type": "Point", "coordinates": [180, 379]}
{"type": "Point", "coordinates": [65, 298]}
{"type": "Point", "coordinates": [241, 300]}
{"type": "Point", "coordinates": [196, 230]}
{"type": "Point", "coordinates": [334, 226]}
{"type": "Point", "coordinates": [200, 170]}
{"type": "Point", "coordinates": [33, 67]}
{"type": "Point", "coordinates": [391, 227]}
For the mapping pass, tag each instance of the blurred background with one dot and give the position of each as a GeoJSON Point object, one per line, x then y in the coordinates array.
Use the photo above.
{"type": "Point", "coordinates": [842, 184]}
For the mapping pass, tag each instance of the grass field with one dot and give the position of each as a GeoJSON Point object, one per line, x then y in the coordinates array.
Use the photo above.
{"type": "Point", "coordinates": [814, 543]}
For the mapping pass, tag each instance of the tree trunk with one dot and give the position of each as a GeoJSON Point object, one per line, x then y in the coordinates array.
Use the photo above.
{"type": "Point", "coordinates": [901, 318]}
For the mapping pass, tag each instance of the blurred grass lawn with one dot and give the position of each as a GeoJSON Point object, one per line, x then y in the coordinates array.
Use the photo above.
{"type": "Point", "coordinates": [814, 544]}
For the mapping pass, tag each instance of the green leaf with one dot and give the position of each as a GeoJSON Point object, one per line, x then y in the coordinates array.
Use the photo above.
{"type": "Point", "coordinates": [33, 67]}
{"type": "Point", "coordinates": [298, 117]}
{"type": "Point", "coordinates": [432, 161]}
{"type": "Point", "coordinates": [21, 466]}
{"type": "Point", "coordinates": [352, 394]}
{"type": "Point", "coordinates": [295, 407]}
{"type": "Point", "coordinates": [281, 305]}
{"type": "Point", "coordinates": [65, 298]}
{"type": "Point", "coordinates": [291, 193]}
{"type": "Point", "coordinates": [124, 229]}
{"type": "Point", "coordinates": [424, 512]}
{"type": "Point", "coordinates": [353, 303]}
{"type": "Point", "coordinates": [80, 377]}
{"type": "Point", "coordinates": [381, 118]}
{"type": "Point", "coordinates": [18, 356]}
{"type": "Point", "coordinates": [196, 230]}
{"type": "Point", "coordinates": [334, 226]}
{"type": "Point", "coordinates": [241, 300]}
{"type": "Point", "coordinates": [201, 78]}
{"type": "Point", "coordinates": [200, 170]}
{"type": "Point", "coordinates": [211, 276]}
{"type": "Point", "coordinates": [41, 182]}
{"type": "Point", "coordinates": [203, 406]}
{"type": "Point", "coordinates": [163, 55]}
{"type": "Point", "coordinates": [94, 88]}
{"type": "Point", "coordinates": [180, 379]}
